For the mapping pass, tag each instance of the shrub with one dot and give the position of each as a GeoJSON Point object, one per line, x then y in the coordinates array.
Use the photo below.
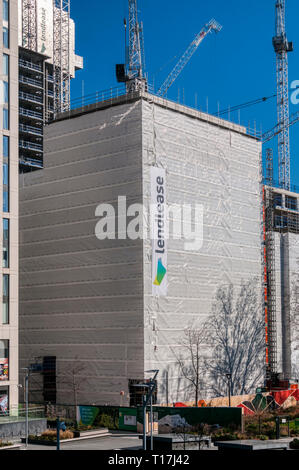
{"type": "Point", "coordinates": [262, 437]}
{"type": "Point", "coordinates": [294, 444]}
{"type": "Point", "coordinates": [5, 444]}
{"type": "Point", "coordinates": [50, 435]}
{"type": "Point", "coordinates": [224, 437]}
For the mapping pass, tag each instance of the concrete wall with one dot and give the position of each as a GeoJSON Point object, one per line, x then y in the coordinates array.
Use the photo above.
{"type": "Point", "coordinates": [10, 332]}
{"type": "Point", "coordinates": [17, 429]}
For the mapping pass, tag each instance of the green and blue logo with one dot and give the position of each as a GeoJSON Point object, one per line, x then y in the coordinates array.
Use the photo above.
{"type": "Point", "coordinates": [161, 273]}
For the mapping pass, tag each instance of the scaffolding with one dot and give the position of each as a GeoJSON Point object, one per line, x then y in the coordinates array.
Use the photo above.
{"type": "Point", "coordinates": [271, 320]}
{"type": "Point", "coordinates": [61, 55]}
{"type": "Point", "coordinates": [29, 37]}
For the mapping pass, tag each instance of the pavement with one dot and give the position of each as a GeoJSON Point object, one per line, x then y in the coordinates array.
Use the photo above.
{"type": "Point", "coordinates": [115, 441]}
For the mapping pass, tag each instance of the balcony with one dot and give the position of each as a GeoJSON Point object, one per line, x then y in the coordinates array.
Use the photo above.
{"type": "Point", "coordinates": [30, 65]}
{"type": "Point", "coordinates": [31, 114]}
{"type": "Point", "coordinates": [30, 162]}
{"type": "Point", "coordinates": [31, 98]}
{"type": "Point", "coordinates": [31, 81]}
{"type": "Point", "coordinates": [30, 130]}
{"type": "Point", "coordinates": [24, 144]}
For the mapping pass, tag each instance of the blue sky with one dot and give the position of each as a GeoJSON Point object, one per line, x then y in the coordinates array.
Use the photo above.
{"type": "Point", "coordinates": [233, 67]}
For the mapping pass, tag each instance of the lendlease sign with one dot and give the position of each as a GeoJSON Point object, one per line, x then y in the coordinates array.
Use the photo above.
{"type": "Point", "coordinates": [45, 27]}
{"type": "Point", "coordinates": [159, 231]}
{"type": "Point", "coordinates": [159, 222]}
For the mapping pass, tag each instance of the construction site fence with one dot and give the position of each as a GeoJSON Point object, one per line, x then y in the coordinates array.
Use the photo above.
{"type": "Point", "coordinates": [168, 419]}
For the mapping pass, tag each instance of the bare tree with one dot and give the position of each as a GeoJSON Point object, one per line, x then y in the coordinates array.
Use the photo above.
{"type": "Point", "coordinates": [191, 361]}
{"type": "Point", "coordinates": [73, 382]}
{"type": "Point", "coordinates": [236, 337]}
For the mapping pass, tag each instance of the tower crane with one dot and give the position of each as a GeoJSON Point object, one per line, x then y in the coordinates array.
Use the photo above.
{"type": "Point", "coordinates": [132, 72]}
{"type": "Point", "coordinates": [208, 28]}
{"type": "Point", "coordinates": [282, 47]}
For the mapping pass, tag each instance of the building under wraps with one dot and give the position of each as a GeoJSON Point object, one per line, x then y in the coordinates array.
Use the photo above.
{"type": "Point", "coordinates": [99, 313]}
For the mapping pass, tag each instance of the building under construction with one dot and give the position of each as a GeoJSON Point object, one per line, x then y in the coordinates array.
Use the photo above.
{"type": "Point", "coordinates": [47, 63]}
{"type": "Point", "coordinates": [94, 308]}
{"type": "Point", "coordinates": [282, 243]}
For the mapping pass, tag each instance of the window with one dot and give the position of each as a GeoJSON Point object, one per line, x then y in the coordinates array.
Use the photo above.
{"type": "Point", "coordinates": [5, 146]}
{"type": "Point", "coordinates": [49, 375]}
{"type": "Point", "coordinates": [291, 203]}
{"type": "Point", "coordinates": [5, 174]}
{"type": "Point", "coordinates": [5, 119]}
{"type": "Point", "coordinates": [5, 10]}
{"type": "Point", "coordinates": [5, 37]}
{"type": "Point", "coordinates": [5, 64]}
{"type": "Point", "coordinates": [4, 357]}
{"type": "Point", "coordinates": [5, 243]}
{"type": "Point", "coordinates": [5, 302]}
{"type": "Point", "coordinates": [5, 92]}
{"type": "Point", "coordinates": [5, 201]}
{"type": "Point", "coordinates": [277, 200]}
{"type": "Point", "coordinates": [5, 151]}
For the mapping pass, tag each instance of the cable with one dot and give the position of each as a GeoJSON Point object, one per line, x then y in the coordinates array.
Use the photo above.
{"type": "Point", "coordinates": [244, 105]}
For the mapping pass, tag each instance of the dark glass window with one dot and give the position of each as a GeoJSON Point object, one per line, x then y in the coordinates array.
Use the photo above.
{"type": "Point", "coordinates": [5, 118]}
{"type": "Point", "coordinates": [5, 243]}
{"type": "Point", "coordinates": [5, 10]}
{"type": "Point", "coordinates": [291, 203]}
{"type": "Point", "coordinates": [5, 146]}
{"type": "Point", "coordinates": [5, 64]}
{"type": "Point", "coordinates": [5, 37]}
{"type": "Point", "coordinates": [5, 92]}
{"type": "Point", "coordinates": [5, 302]}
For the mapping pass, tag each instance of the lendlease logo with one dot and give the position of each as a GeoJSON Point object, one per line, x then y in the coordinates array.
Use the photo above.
{"type": "Point", "coordinates": [161, 273]}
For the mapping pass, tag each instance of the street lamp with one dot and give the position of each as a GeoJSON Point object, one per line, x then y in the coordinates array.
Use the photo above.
{"type": "Point", "coordinates": [151, 387]}
{"type": "Point", "coordinates": [153, 383]}
{"type": "Point", "coordinates": [229, 377]}
{"type": "Point", "coordinates": [27, 369]}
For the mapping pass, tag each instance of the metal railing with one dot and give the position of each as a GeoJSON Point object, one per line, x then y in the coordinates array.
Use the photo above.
{"type": "Point", "coordinates": [30, 81]}
{"type": "Point", "coordinates": [30, 97]}
{"type": "Point", "coordinates": [32, 114]}
{"type": "Point", "coordinates": [276, 184]}
{"type": "Point", "coordinates": [98, 97]}
{"type": "Point", "coordinates": [30, 129]}
{"type": "Point", "coordinates": [18, 413]}
{"type": "Point", "coordinates": [106, 96]}
{"type": "Point", "coordinates": [30, 65]}
{"type": "Point", "coordinates": [30, 145]}
{"type": "Point", "coordinates": [30, 162]}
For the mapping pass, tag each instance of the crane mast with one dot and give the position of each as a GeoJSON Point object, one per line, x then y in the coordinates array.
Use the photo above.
{"type": "Point", "coordinates": [208, 28]}
{"type": "Point", "coordinates": [282, 47]}
{"type": "Point", "coordinates": [132, 72]}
